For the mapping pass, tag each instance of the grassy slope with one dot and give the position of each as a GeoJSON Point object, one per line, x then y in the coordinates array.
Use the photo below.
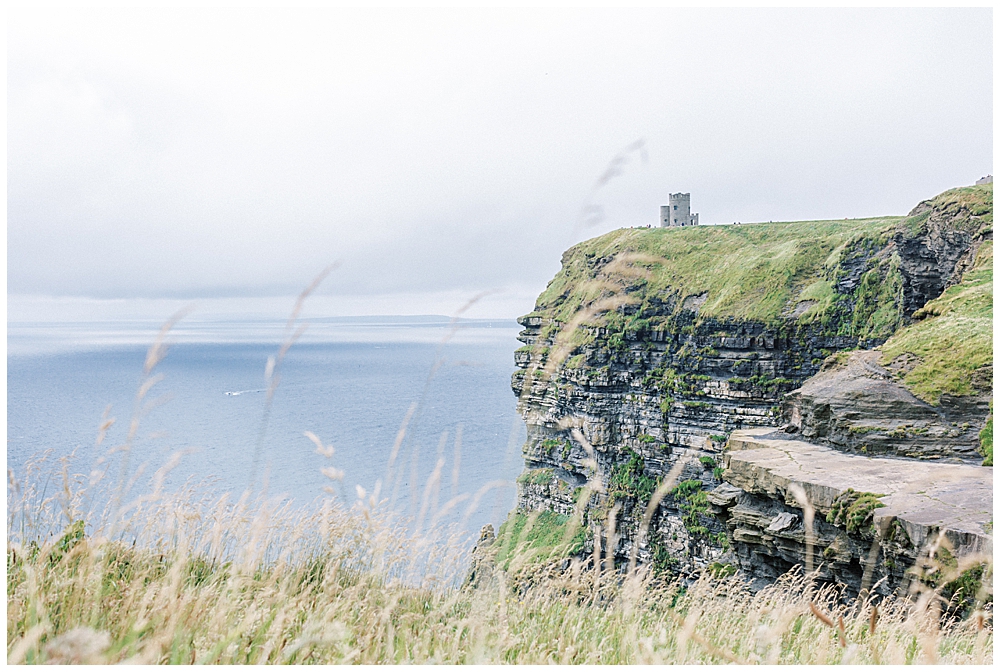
{"type": "Point", "coordinates": [953, 334]}
{"type": "Point", "coordinates": [96, 601]}
{"type": "Point", "coordinates": [750, 271]}
{"type": "Point", "coordinates": [537, 537]}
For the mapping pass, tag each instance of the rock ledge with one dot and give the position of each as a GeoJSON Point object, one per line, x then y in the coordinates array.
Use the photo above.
{"type": "Point", "coordinates": [922, 499]}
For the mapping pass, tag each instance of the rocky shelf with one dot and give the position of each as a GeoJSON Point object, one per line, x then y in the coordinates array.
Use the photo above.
{"type": "Point", "coordinates": [923, 503]}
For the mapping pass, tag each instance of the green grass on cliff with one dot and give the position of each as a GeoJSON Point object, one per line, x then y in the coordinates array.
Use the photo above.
{"type": "Point", "coordinates": [749, 271]}
{"type": "Point", "coordinates": [537, 537]}
{"type": "Point", "coordinates": [967, 208]}
{"type": "Point", "coordinates": [787, 270]}
{"type": "Point", "coordinates": [855, 510]}
{"type": "Point", "coordinates": [952, 337]}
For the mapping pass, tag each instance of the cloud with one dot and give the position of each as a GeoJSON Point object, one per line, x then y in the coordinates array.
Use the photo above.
{"type": "Point", "coordinates": [180, 153]}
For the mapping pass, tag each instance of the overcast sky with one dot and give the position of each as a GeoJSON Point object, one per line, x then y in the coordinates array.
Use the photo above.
{"type": "Point", "coordinates": [161, 156]}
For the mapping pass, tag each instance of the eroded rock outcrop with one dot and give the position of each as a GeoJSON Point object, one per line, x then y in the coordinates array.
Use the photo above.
{"type": "Point", "coordinates": [856, 405]}
{"type": "Point", "coordinates": [939, 243]}
{"type": "Point", "coordinates": [659, 398]}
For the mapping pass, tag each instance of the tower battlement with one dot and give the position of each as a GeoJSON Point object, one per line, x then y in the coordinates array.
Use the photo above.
{"type": "Point", "coordinates": [678, 211]}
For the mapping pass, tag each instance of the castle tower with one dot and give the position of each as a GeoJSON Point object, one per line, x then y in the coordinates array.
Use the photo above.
{"type": "Point", "coordinates": [678, 212]}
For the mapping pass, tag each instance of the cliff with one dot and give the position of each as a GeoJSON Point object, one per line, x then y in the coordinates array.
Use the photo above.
{"type": "Point", "coordinates": [650, 347]}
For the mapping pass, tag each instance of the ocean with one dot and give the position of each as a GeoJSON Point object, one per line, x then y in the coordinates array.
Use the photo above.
{"type": "Point", "coordinates": [349, 381]}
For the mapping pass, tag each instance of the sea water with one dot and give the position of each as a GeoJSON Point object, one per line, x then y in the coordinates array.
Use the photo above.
{"type": "Point", "coordinates": [352, 383]}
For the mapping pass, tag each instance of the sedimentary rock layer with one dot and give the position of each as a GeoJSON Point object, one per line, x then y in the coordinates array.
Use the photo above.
{"type": "Point", "coordinates": [921, 505]}
{"type": "Point", "coordinates": [856, 405]}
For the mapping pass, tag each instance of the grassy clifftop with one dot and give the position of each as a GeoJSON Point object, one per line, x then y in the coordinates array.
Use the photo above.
{"type": "Point", "coordinates": [749, 271]}
{"type": "Point", "coordinates": [966, 208]}
{"type": "Point", "coordinates": [844, 277]}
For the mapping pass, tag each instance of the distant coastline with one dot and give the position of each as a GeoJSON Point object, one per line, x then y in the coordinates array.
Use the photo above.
{"type": "Point", "coordinates": [26, 338]}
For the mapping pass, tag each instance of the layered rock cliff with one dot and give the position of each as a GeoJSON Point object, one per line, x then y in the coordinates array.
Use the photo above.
{"type": "Point", "coordinates": [651, 347]}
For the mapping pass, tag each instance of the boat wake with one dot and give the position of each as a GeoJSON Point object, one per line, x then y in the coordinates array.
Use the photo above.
{"type": "Point", "coordinates": [239, 392]}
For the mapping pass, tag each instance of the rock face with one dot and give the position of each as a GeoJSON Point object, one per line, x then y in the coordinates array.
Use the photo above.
{"type": "Point", "coordinates": [652, 349]}
{"type": "Point", "coordinates": [855, 405]}
{"type": "Point", "coordinates": [920, 502]}
{"type": "Point", "coordinates": [626, 403]}
{"type": "Point", "coordinates": [935, 256]}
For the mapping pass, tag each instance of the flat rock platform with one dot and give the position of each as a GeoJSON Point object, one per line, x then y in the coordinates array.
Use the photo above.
{"type": "Point", "coordinates": [925, 497]}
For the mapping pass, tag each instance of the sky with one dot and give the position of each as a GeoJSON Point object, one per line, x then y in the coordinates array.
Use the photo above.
{"type": "Point", "coordinates": [223, 156]}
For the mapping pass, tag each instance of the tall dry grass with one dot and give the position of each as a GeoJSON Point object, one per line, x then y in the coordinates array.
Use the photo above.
{"type": "Point", "coordinates": [257, 581]}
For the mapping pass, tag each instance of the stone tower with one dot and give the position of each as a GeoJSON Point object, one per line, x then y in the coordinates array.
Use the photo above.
{"type": "Point", "coordinates": [678, 212]}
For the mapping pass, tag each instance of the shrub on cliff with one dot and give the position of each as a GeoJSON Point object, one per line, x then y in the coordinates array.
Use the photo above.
{"type": "Point", "coordinates": [693, 503]}
{"type": "Point", "coordinates": [854, 511]}
{"type": "Point", "coordinates": [628, 478]}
